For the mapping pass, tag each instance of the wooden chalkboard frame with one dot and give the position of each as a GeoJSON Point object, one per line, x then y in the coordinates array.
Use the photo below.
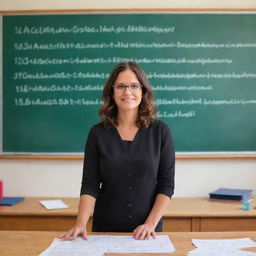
{"type": "Point", "coordinates": [181, 156]}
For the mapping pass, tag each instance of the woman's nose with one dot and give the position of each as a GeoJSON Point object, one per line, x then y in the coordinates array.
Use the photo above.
{"type": "Point", "coordinates": [127, 90]}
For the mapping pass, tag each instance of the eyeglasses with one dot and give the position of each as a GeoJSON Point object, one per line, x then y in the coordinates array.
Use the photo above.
{"type": "Point", "coordinates": [122, 87]}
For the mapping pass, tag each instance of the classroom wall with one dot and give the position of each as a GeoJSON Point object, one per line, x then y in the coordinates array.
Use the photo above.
{"type": "Point", "coordinates": [115, 4]}
{"type": "Point", "coordinates": [61, 178]}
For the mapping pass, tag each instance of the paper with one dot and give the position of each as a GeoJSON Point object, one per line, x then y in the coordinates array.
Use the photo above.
{"type": "Point", "coordinates": [127, 244]}
{"type": "Point", "coordinates": [222, 247]}
{"type": "Point", "coordinates": [53, 204]}
{"type": "Point", "coordinates": [98, 245]}
{"type": "Point", "coordinates": [217, 252]}
{"type": "Point", "coordinates": [228, 243]}
{"type": "Point", "coordinates": [94, 246]}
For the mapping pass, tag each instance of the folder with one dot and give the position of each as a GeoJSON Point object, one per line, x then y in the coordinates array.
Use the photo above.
{"type": "Point", "coordinates": [9, 201]}
{"type": "Point", "coordinates": [231, 194]}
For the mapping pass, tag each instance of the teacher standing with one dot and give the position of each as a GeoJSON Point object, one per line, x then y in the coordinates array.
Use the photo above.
{"type": "Point", "coordinates": [128, 174]}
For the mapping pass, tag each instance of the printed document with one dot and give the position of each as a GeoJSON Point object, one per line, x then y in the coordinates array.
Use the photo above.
{"type": "Point", "coordinates": [228, 243]}
{"type": "Point", "coordinates": [218, 252]}
{"type": "Point", "coordinates": [222, 247]}
{"type": "Point", "coordinates": [94, 246]}
{"type": "Point", "coordinates": [98, 245]}
{"type": "Point", "coordinates": [127, 244]}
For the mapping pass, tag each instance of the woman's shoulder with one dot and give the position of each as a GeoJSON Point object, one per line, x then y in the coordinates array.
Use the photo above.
{"type": "Point", "coordinates": [99, 128]}
{"type": "Point", "coordinates": [159, 124]}
{"type": "Point", "coordinates": [161, 128]}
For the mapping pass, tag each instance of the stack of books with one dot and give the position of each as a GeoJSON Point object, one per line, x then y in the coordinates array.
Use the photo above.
{"type": "Point", "coordinates": [231, 194]}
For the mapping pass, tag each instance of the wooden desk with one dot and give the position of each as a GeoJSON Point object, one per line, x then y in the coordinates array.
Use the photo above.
{"type": "Point", "coordinates": [202, 214]}
{"type": "Point", "coordinates": [182, 215]}
{"type": "Point", "coordinates": [32, 243]}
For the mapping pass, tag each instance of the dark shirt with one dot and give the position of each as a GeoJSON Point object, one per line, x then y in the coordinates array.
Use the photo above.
{"type": "Point", "coordinates": [126, 176]}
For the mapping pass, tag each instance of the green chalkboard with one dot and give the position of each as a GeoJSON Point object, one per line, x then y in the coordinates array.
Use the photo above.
{"type": "Point", "coordinates": [202, 67]}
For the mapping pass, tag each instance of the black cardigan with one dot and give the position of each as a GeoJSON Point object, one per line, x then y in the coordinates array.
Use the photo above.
{"type": "Point", "coordinates": [125, 177]}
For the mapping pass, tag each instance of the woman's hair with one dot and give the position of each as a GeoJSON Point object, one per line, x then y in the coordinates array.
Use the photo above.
{"type": "Point", "coordinates": [147, 107]}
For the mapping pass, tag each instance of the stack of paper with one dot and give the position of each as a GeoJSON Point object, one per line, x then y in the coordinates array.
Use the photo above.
{"type": "Point", "coordinates": [53, 204]}
{"type": "Point", "coordinates": [98, 245]}
{"type": "Point", "coordinates": [222, 247]}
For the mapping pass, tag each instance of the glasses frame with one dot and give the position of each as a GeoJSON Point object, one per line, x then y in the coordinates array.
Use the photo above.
{"type": "Point", "coordinates": [127, 86]}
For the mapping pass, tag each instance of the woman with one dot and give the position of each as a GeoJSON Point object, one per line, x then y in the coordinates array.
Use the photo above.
{"type": "Point", "coordinates": [128, 175]}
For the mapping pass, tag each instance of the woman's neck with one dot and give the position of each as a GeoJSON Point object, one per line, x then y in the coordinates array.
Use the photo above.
{"type": "Point", "coordinates": [127, 118]}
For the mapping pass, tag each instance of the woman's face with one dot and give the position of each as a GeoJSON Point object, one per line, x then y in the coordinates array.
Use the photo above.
{"type": "Point", "coordinates": [124, 97]}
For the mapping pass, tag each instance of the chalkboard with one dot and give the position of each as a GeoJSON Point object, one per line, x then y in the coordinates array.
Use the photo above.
{"type": "Point", "coordinates": [202, 67]}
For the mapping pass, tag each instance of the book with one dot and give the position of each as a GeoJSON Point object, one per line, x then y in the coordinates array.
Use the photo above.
{"type": "Point", "coordinates": [231, 194]}
{"type": "Point", "coordinates": [9, 201]}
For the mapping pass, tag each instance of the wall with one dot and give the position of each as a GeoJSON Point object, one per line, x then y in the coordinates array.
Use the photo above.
{"type": "Point", "coordinates": [115, 4]}
{"type": "Point", "coordinates": [62, 178]}
{"type": "Point", "coordinates": [59, 178]}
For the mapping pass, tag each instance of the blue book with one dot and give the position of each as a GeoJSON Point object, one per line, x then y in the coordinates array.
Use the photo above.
{"type": "Point", "coordinates": [231, 194]}
{"type": "Point", "coordinates": [10, 200]}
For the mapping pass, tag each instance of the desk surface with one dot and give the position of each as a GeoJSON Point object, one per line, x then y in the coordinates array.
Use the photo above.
{"type": "Point", "coordinates": [178, 207]}
{"type": "Point", "coordinates": [31, 206]}
{"type": "Point", "coordinates": [182, 215]}
{"type": "Point", "coordinates": [31, 243]}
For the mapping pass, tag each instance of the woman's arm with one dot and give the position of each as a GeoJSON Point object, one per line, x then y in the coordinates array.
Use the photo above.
{"type": "Point", "coordinates": [89, 190]}
{"type": "Point", "coordinates": [147, 229]}
{"type": "Point", "coordinates": [86, 207]}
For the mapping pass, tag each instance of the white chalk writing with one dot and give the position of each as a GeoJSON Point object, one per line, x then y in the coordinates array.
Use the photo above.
{"type": "Point", "coordinates": [58, 75]}
{"type": "Point", "coordinates": [205, 102]}
{"type": "Point", "coordinates": [23, 46]}
{"type": "Point", "coordinates": [233, 75]}
{"type": "Point", "coordinates": [97, 87]}
{"type": "Point", "coordinates": [92, 75]}
{"type": "Point", "coordinates": [57, 88]}
{"type": "Point", "coordinates": [182, 88]}
{"type": "Point", "coordinates": [24, 61]}
{"type": "Point", "coordinates": [41, 30]}
{"type": "Point", "coordinates": [176, 114]}
{"type": "Point", "coordinates": [26, 102]}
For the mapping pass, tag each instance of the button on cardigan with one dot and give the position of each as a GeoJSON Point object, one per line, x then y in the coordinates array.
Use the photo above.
{"type": "Point", "coordinates": [125, 177]}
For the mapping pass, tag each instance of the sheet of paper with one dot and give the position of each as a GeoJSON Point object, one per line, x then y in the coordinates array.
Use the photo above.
{"type": "Point", "coordinates": [211, 251]}
{"type": "Point", "coordinates": [127, 244]}
{"type": "Point", "coordinates": [222, 247]}
{"type": "Point", "coordinates": [53, 204]}
{"type": "Point", "coordinates": [94, 246]}
{"type": "Point", "coordinates": [224, 243]}
{"type": "Point", "coordinates": [98, 245]}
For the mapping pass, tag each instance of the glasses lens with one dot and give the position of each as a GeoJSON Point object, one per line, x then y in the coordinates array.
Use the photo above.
{"type": "Point", "coordinates": [120, 87]}
{"type": "Point", "coordinates": [134, 87]}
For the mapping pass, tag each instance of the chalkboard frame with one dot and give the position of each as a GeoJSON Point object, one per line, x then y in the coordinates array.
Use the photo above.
{"type": "Point", "coordinates": [183, 156]}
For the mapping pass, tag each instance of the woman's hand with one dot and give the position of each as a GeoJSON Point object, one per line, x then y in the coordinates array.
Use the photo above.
{"type": "Point", "coordinates": [74, 232]}
{"type": "Point", "coordinates": [144, 231]}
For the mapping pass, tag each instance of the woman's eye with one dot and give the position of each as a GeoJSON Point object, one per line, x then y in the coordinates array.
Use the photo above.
{"type": "Point", "coordinates": [134, 86]}
{"type": "Point", "coordinates": [120, 86]}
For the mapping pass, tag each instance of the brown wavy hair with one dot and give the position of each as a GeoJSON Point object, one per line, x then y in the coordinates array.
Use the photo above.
{"type": "Point", "coordinates": [147, 108]}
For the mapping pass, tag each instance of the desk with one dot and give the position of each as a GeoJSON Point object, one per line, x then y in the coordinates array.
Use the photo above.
{"type": "Point", "coordinates": [202, 214]}
{"type": "Point", "coordinates": [182, 215]}
{"type": "Point", "coordinates": [31, 243]}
